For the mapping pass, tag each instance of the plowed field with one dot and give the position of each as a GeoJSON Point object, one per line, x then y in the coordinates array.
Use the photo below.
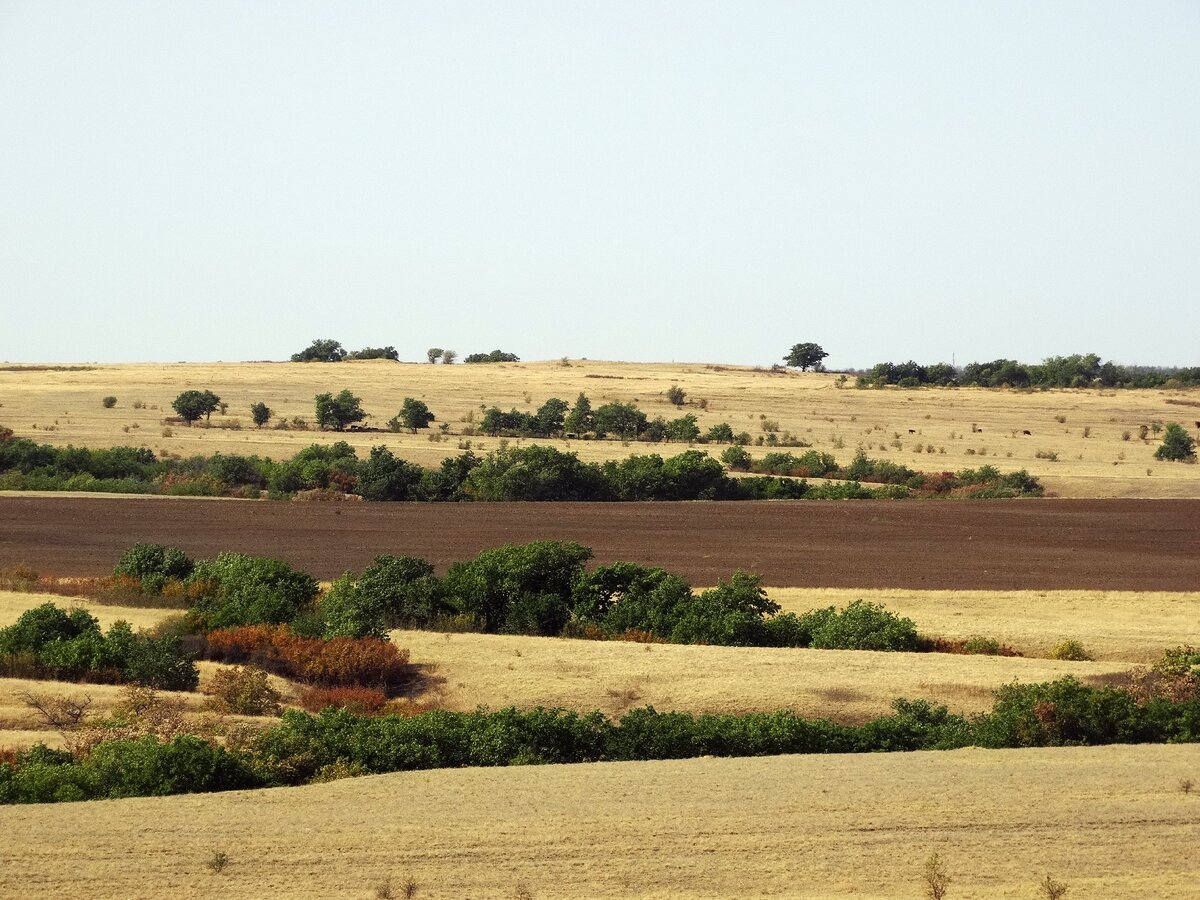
{"type": "Point", "coordinates": [993, 545]}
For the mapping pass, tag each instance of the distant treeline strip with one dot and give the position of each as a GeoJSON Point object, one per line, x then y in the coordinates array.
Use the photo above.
{"type": "Point", "coordinates": [535, 473]}
{"type": "Point", "coordinates": [1076, 371]}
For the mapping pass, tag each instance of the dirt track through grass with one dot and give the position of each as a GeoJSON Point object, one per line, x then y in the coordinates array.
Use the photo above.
{"type": "Point", "coordinates": [1109, 821]}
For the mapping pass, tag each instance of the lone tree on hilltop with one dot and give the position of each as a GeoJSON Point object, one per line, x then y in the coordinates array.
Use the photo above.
{"type": "Point", "coordinates": [321, 350]}
{"type": "Point", "coordinates": [805, 357]}
{"type": "Point", "coordinates": [191, 405]}
{"type": "Point", "coordinates": [433, 354]}
{"type": "Point", "coordinates": [448, 357]}
{"type": "Point", "coordinates": [1177, 445]}
{"type": "Point", "coordinates": [340, 411]}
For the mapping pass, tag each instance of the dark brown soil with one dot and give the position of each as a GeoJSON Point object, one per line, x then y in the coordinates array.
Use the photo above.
{"type": "Point", "coordinates": [1113, 544]}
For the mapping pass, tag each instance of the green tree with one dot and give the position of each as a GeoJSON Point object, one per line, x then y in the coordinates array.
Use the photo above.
{"type": "Point", "coordinates": [340, 411]}
{"type": "Point", "coordinates": [413, 414]}
{"type": "Point", "coordinates": [261, 413]}
{"type": "Point", "coordinates": [550, 417]}
{"type": "Point", "coordinates": [1177, 445]}
{"type": "Point", "coordinates": [433, 354]}
{"type": "Point", "coordinates": [676, 395]}
{"type": "Point", "coordinates": [191, 405]}
{"type": "Point", "coordinates": [580, 420]}
{"type": "Point", "coordinates": [805, 357]}
{"type": "Point", "coordinates": [622, 419]}
{"type": "Point", "coordinates": [496, 356]}
{"type": "Point", "coordinates": [321, 350]}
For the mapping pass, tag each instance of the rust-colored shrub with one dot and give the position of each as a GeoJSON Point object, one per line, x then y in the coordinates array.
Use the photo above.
{"type": "Point", "coordinates": [342, 661]}
{"type": "Point", "coordinates": [637, 636]}
{"type": "Point", "coordinates": [361, 701]}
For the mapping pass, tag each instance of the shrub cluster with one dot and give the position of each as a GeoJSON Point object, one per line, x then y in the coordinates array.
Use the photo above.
{"type": "Point", "coordinates": [493, 357]}
{"type": "Point", "coordinates": [236, 589]}
{"type": "Point", "coordinates": [542, 588]}
{"type": "Point", "coordinates": [303, 748]}
{"type": "Point", "coordinates": [1077, 370]}
{"type": "Point", "coordinates": [48, 642]}
{"type": "Point", "coordinates": [142, 767]}
{"type": "Point", "coordinates": [986, 482]}
{"type": "Point", "coordinates": [533, 473]}
{"type": "Point", "coordinates": [339, 662]}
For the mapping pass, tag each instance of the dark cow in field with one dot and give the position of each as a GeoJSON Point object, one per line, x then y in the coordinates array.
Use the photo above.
{"type": "Point", "coordinates": [1026, 431]}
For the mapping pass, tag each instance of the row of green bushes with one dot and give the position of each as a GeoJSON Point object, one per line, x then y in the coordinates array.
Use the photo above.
{"type": "Point", "coordinates": [535, 473]}
{"type": "Point", "coordinates": [1075, 371]}
{"type": "Point", "coordinates": [539, 588]}
{"type": "Point", "coordinates": [305, 748]}
{"type": "Point", "coordinates": [986, 482]}
{"type": "Point", "coordinates": [48, 642]}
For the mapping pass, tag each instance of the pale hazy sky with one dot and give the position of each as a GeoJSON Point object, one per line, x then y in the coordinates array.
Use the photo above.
{"type": "Point", "coordinates": [620, 180]}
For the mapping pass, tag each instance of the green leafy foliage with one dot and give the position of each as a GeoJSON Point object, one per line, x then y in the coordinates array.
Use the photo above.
{"type": "Point", "coordinates": [1177, 445]}
{"type": "Point", "coordinates": [494, 357]}
{"type": "Point", "coordinates": [191, 405]}
{"type": "Point", "coordinates": [338, 411]}
{"type": "Point", "coordinates": [393, 592]}
{"type": "Point", "coordinates": [321, 350]}
{"type": "Point", "coordinates": [859, 626]}
{"type": "Point", "coordinates": [413, 414]}
{"type": "Point", "coordinates": [69, 646]}
{"type": "Point", "coordinates": [236, 589]}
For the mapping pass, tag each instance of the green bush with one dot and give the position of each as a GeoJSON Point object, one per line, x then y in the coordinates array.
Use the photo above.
{"type": "Point", "coordinates": [1177, 445]}
{"type": "Point", "coordinates": [736, 458]}
{"type": "Point", "coordinates": [144, 561]}
{"type": "Point", "coordinates": [69, 646]}
{"type": "Point", "coordinates": [394, 591]}
{"type": "Point", "coordinates": [108, 402]}
{"type": "Point", "coordinates": [510, 588]}
{"type": "Point", "coordinates": [860, 626]}
{"type": "Point", "coordinates": [236, 589]}
{"type": "Point", "coordinates": [1070, 650]}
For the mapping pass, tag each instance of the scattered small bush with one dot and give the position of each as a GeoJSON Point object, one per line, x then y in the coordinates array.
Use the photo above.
{"type": "Point", "coordinates": [243, 691]}
{"type": "Point", "coordinates": [108, 402]}
{"type": "Point", "coordinates": [1070, 650]}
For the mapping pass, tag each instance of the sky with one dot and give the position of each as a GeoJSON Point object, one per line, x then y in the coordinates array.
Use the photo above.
{"type": "Point", "coordinates": [649, 181]}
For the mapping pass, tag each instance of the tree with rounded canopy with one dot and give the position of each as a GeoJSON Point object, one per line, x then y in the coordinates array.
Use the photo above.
{"type": "Point", "coordinates": [805, 357]}
{"type": "Point", "coordinates": [321, 350]}
{"type": "Point", "coordinates": [413, 414]}
{"type": "Point", "coordinates": [448, 357]}
{"type": "Point", "coordinates": [337, 412]}
{"type": "Point", "coordinates": [433, 354]}
{"type": "Point", "coordinates": [191, 405]}
{"type": "Point", "coordinates": [261, 413]}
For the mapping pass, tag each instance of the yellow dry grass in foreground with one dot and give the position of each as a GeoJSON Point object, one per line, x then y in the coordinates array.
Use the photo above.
{"type": "Point", "coordinates": [1109, 822]}
{"type": "Point", "coordinates": [1111, 625]}
{"type": "Point", "coordinates": [613, 676]}
{"type": "Point", "coordinates": [21, 726]}
{"type": "Point", "coordinates": [926, 429]}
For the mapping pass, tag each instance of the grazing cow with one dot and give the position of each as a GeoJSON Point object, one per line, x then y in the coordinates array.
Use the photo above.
{"type": "Point", "coordinates": [912, 431]}
{"type": "Point", "coordinates": [1027, 431]}
{"type": "Point", "coordinates": [1198, 424]}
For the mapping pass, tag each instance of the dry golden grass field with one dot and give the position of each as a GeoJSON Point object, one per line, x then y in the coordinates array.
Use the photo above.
{"type": "Point", "coordinates": [927, 429]}
{"type": "Point", "coordinates": [1109, 822]}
